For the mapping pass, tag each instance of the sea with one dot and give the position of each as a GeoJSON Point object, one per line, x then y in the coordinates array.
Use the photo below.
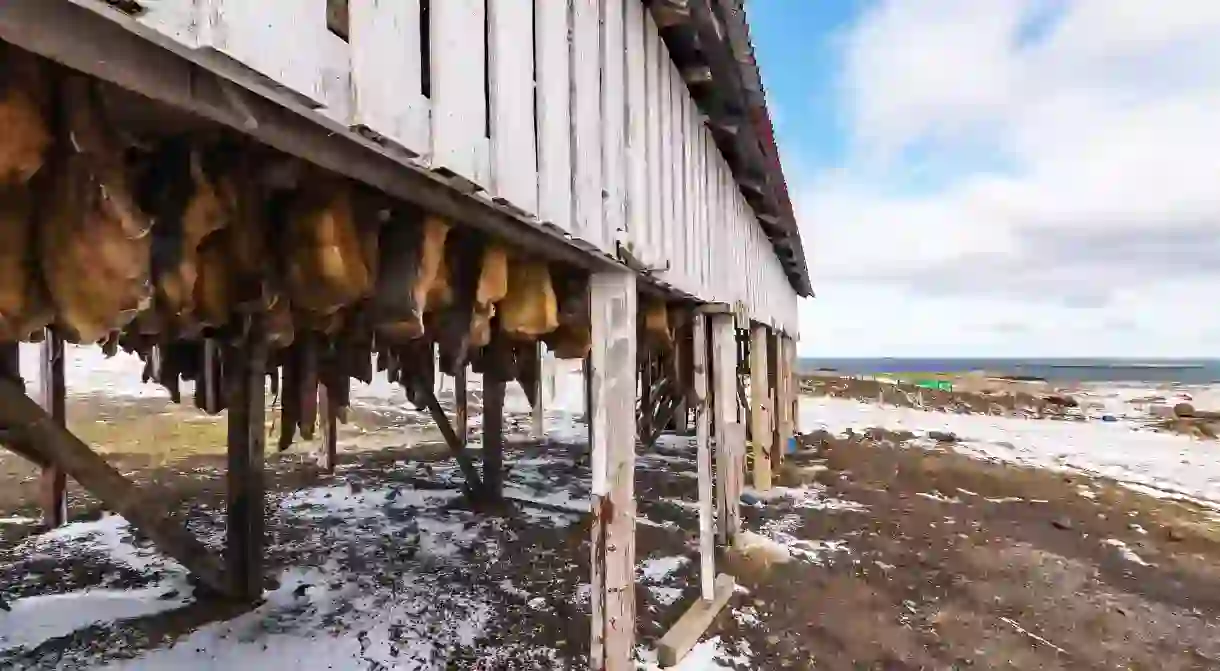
{"type": "Point", "coordinates": [1182, 371]}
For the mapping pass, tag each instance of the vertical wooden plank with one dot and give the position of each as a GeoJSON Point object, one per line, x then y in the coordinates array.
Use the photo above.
{"type": "Point", "coordinates": [387, 72]}
{"type": "Point", "coordinates": [638, 185]}
{"type": "Point", "coordinates": [553, 110]}
{"type": "Point", "coordinates": [538, 412]}
{"type": "Point", "coordinates": [665, 104]}
{"type": "Point", "coordinates": [52, 391]}
{"type": "Point", "coordinates": [612, 392]}
{"type": "Point", "coordinates": [682, 166]}
{"type": "Point", "coordinates": [614, 121]}
{"type": "Point", "coordinates": [264, 36]}
{"type": "Point", "coordinates": [495, 378]}
{"type": "Point", "coordinates": [461, 407]}
{"type": "Point", "coordinates": [794, 394]}
{"type": "Point", "coordinates": [328, 412]}
{"type": "Point", "coordinates": [724, 369]}
{"type": "Point", "coordinates": [459, 105]}
{"type": "Point", "coordinates": [586, 120]}
{"type": "Point", "coordinates": [703, 451]}
{"type": "Point", "coordinates": [245, 364]}
{"type": "Point", "coordinates": [513, 150]}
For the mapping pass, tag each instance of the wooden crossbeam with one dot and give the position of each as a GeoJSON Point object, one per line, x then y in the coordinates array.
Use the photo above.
{"type": "Point", "coordinates": [56, 445]}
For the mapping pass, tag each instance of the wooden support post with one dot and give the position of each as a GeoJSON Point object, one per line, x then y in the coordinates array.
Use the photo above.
{"type": "Point", "coordinates": [52, 392]}
{"type": "Point", "coordinates": [760, 408]}
{"type": "Point", "coordinates": [783, 404]}
{"type": "Point", "coordinates": [612, 439]}
{"type": "Point", "coordinates": [647, 398]}
{"type": "Point", "coordinates": [728, 430]}
{"type": "Point", "coordinates": [245, 370]}
{"type": "Point", "coordinates": [537, 413]}
{"type": "Point", "coordinates": [703, 453]}
{"type": "Point", "coordinates": [328, 410]}
{"type": "Point", "coordinates": [54, 444]}
{"type": "Point", "coordinates": [461, 406]}
{"type": "Point", "coordinates": [682, 365]}
{"type": "Point", "coordinates": [495, 377]}
{"type": "Point", "coordinates": [794, 391]}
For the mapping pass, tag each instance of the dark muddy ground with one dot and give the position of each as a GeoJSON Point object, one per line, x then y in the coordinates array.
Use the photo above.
{"type": "Point", "coordinates": [880, 557]}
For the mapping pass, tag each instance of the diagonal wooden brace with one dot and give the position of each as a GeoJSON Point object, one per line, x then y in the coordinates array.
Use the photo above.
{"type": "Point", "coordinates": [45, 438]}
{"type": "Point", "coordinates": [474, 484]}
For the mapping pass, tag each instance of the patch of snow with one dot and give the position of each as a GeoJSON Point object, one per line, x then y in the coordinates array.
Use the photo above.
{"type": "Point", "coordinates": [707, 655]}
{"type": "Point", "coordinates": [1125, 551]}
{"type": "Point", "coordinates": [657, 569]}
{"type": "Point", "coordinates": [666, 596]}
{"type": "Point", "coordinates": [1169, 465]}
{"type": "Point", "coordinates": [938, 497]}
{"type": "Point", "coordinates": [17, 521]}
{"type": "Point", "coordinates": [747, 616]}
{"type": "Point", "coordinates": [36, 619]}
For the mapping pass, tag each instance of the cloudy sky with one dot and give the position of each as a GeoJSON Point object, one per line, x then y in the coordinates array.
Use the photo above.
{"type": "Point", "coordinates": [1002, 177]}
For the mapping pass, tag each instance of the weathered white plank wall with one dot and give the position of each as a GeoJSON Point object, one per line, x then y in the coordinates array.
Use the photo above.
{"type": "Point", "coordinates": [591, 130]}
{"type": "Point", "coordinates": [387, 72]}
{"type": "Point", "coordinates": [513, 149]}
{"type": "Point", "coordinates": [553, 65]}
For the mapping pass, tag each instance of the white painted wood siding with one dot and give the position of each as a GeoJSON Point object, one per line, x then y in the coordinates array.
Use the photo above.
{"type": "Point", "coordinates": [583, 122]}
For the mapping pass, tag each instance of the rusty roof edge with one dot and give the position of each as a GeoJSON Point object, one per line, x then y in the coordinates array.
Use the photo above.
{"type": "Point", "coordinates": [738, 28]}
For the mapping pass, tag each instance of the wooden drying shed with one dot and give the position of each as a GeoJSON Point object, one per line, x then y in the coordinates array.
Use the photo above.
{"type": "Point", "coordinates": [298, 194]}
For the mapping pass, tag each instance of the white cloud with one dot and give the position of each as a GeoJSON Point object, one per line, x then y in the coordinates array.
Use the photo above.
{"type": "Point", "coordinates": [1077, 182]}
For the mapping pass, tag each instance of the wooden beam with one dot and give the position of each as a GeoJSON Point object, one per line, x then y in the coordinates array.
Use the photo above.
{"type": "Point", "coordinates": [703, 452]}
{"type": "Point", "coordinates": [724, 370]}
{"type": "Point", "coordinates": [52, 392]}
{"type": "Point", "coordinates": [794, 384]}
{"type": "Point", "coordinates": [496, 357]}
{"type": "Point", "coordinates": [145, 511]}
{"type": "Point", "coordinates": [461, 405]}
{"type": "Point", "coordinates": [669, 13]}
{"type": "Point", "coordinates": [328, 412]}
{"type": "Point", "coordinates": [245, 373]}
{"type": "Point", "coordinates": [474, 484]}
{"type": "Point", "coordinates": [538, 411]}
{"type": "Point", "coordinates": [783, 398]}
{"type": "Point", "coordinates": [613, 305]}
{"type": "Point", "coordinates": [761, 432]}
{"type": "Point", "coordinates": [694, 622]}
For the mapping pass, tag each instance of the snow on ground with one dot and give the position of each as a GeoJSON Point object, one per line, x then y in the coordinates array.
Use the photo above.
{"type": "Point", "coordinates": [44, 616]}
{"type": "Point", "coordinates": [1163, 464]}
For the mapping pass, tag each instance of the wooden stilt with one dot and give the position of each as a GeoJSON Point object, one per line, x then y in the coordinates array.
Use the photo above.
{"type": "Point", "coordinates": [52, 392]}
{"type": "Point", "coordinates": [245, 364]}
{"type": "Point", "coordinates": [461, 405]}
{"type": "Point", "coordinates": [647, 397]}
{"type": "Point", "coordinates": [683, 381]}
{"type": "Point", "coordinates": [612, 439]}
{"type": "Point", "coordinates": [794, 386]}
{"type": "Point", "coordinates": [474, 484]}
{"type": "Point", "coordinates": [703, 450]}
{"type": "Point", "coordinates": [54, 444]}
{"type": "Point", "coordinates": [783, 399]}
{"type": "Point", "coordinates": [328, 411]}
{"type": "Point", "coordinates": [727, 429]}
{"type": "Point", "coordinates": [537, 415]}
{"type": "Point", "coordinates": [495, 378]}
{"type": "Point", "coordinates": [761, 433]}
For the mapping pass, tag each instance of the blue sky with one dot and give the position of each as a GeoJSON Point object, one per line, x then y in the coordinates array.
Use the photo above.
{"type": "Point", "coordinates": [1001, 178]}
